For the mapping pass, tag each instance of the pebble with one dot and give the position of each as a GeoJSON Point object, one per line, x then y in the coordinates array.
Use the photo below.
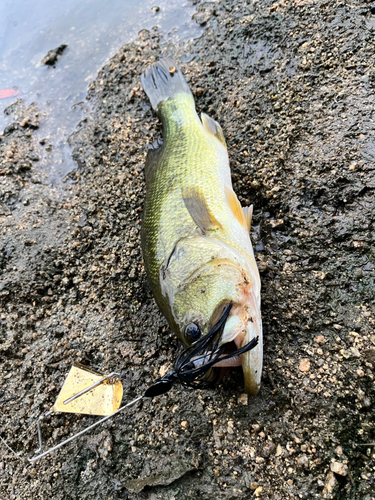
{"type": "Point", "coordinates": [163, 370]}
{"type": "Point", "coordinates": [243, 399]}
{"type": "Point", "coordinates": [330, 485]}
{"type": "Point", "coordinates": [258, 491]}
{"type": "Point", "coordinates": [355, 352]}
{"type": "Point", "coordinates": [320, 340]}
{"type": "Point", "coordinates": [268, 449]}
{"type": "Point", "coordinates": [303, 461]}
{"type": "Point", "coordinates": [304, 365]}
{"type": "Point", "coordinates": [279, 450]}
{"type": "Point", "coordinates": [339, 468]}
{"type": "Point", "coordinates": [367, 402]}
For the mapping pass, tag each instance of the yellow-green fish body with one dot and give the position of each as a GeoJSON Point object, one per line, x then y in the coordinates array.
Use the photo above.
{"type": "Point", "coordinates": [195, 234]}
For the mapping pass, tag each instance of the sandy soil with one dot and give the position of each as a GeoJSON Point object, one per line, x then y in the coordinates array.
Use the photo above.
{"type": "Point", "coordinates": [292, 84]}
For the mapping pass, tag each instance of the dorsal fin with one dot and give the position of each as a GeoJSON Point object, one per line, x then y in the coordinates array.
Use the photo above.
{"type": "Point", "coordinates": [248, 212]}
{"type": "Point", "coordinates": [152, 159]}
{"type": "Point", "coordinates": [213, 128]}
{"type": "Point", "coordinates": [235, 205]}
{"type": "Point", "coordinates": [197, 207]}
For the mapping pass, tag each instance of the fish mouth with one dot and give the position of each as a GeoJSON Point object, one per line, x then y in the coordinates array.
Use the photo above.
{"type": "Point", "coordinates": [195, 366]}
{"type": "Point", "coordinates": [239, 332]}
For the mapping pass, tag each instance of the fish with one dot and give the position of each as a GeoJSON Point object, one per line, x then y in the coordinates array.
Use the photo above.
{"type": "Point", "coordinates": [195, 234]}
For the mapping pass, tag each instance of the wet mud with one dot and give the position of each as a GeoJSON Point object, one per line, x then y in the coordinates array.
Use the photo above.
{"type": "Point", "coordinates": [292, 84]}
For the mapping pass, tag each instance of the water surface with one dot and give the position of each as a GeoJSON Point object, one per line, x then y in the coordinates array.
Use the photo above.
{"type": "Point", "coordinates": [94, 30]}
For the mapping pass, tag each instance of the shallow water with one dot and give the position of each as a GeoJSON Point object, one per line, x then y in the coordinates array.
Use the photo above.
{"type": "Point", "coordinates": [94, 30]}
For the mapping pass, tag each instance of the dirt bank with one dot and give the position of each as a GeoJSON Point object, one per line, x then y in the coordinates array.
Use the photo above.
{"type": "Point", "coordinates": [292, 84]}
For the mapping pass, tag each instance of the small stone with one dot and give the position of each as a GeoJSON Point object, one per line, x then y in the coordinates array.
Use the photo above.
{"type": "Point", "coordinates": [338, 450]}
{"type": "Point", "coordinates": [254, 486]}
{"type": "Point", "coordinates": [358, 244]}
{"type": "Point", "coordinates": [53, 55]}
{"type": "Point", "coordinates": [370, 356]}
{"type": "Point", "coordinates": [163, 370]}
{"type": "Point", "coordinates": [355, 352]}
{"type": "Point", "coordinates": [303, 461]}
{"type": "Point", "coordinates": [339, 468]}
{"type": "Point", "coordinates": [25, 121]}
{"type": "Point", "coordinates": [198, 91]}
{"type": "Point", "coordinates": [279, 450]}
{"type": "Point", "coordinates": [258, 491]}
{"type": "Point", "coordinates": [243, 399]}
{"type": "Point", "coordinates": [330, 485]}
{"type": "Point", "coordinates": [184, 424]}
{"type": "Point", "coordinates": [320, 340]}
{"type": "Point", "coordinates": [304, 365]}
{"type": "Point", "coordinates": [360, 372]}
{"type": "Point", "coordinates": [276, 223]}
{"type": "Point", "coordinates": [259, 460]}
{"type": "Point", "coordinates": [268, 449]}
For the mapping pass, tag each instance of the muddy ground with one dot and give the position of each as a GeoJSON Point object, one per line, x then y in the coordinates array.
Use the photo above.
{"type": "Point", "coordinates": [292, 84]}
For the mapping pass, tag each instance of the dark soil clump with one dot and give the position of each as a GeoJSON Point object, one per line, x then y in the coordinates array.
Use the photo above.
{"type": "Point", "coordinates": [52, 56]}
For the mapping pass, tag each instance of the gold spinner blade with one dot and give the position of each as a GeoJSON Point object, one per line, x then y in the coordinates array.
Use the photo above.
{"type": "Point", "coordinates": [89, 392]}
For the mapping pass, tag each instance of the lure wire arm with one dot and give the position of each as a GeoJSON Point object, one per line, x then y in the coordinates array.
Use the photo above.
{"type": "Point", "coordinates": [102, 420]}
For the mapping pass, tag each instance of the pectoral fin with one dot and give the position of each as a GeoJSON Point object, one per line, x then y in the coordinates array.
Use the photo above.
{"type": "Point", "coordinates": [213, 128]}
{"type": "Point", "coordinates": [197, 207]}
{"type": "Point", "coordinates": [243, 215]}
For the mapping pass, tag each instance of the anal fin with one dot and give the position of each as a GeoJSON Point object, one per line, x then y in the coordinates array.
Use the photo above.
{"type": "Point", "coordinates": [243, 215]}
{"type": "Point", "coordinates": [197, 207]}
{"type": "Point", "coordinates": [248, 212]}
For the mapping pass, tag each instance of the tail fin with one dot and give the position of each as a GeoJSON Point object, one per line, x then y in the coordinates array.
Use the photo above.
{"type": "Point", "coordinates": [163, 80]}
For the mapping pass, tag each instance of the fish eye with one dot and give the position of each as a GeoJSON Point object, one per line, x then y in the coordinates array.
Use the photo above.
{"type": "Point", "coordinates": [192, 332]}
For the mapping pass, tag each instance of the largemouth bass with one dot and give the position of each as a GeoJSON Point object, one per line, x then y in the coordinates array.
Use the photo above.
{"type": "Point", "coordinates": [195, 235]}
